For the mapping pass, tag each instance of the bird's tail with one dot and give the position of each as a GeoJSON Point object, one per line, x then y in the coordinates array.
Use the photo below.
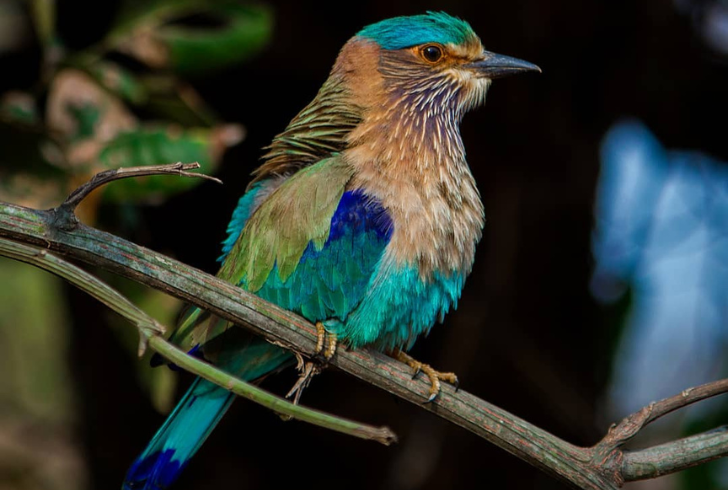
{"type": "Point", "coordinates": [193, 419]}
{"type": "Point", "coordinates": [179, 438]}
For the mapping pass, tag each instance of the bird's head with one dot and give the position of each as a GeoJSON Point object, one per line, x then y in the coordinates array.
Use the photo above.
{"type": "Point", "coordinates": [397, 78]}
{"type": "Point", "coordinates": [433, 60]}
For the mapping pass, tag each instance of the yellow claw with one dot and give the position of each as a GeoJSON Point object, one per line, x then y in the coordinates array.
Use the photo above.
{"type": "Point", "coordinates": [432, 374]}
{"type": "Point", "coordinates": [322, 336]}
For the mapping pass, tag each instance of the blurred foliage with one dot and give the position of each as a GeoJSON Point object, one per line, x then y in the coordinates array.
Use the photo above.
{"type": "Point", "coordinates": [230, 33]}
{"type": "Point", "coordinates": [660, 275]}
{"type": "Point", "coordinates": [81, 116]}
{"type": "Point", "coordinates": [37, 449]}
{"type": "Point", "coordinates": [34, 309]}
{"type": "Point", "coordinates": [122, 101]}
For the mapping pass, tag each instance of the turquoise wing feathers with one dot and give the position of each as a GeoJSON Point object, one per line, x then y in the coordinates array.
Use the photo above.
{"type": "Point", "coordinates": [307, 243]}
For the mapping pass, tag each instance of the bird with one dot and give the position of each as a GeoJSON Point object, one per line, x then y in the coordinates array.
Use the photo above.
{"type": "Point", "coordinates": [363, 218]}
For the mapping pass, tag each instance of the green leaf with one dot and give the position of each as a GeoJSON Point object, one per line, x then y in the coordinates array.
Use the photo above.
{"type": "Point", "coordinates": [154, 146]}
{"type": "Point", "coordinates": [156, 36]}
{"type": "Point", "coordinates": [245, 31]}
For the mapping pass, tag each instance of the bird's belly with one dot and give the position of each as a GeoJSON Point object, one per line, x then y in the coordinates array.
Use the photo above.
{"type": "Point", "coordinates": [399, 306]}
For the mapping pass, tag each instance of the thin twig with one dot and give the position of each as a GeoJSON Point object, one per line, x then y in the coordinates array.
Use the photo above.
{"type": "Point", "coordinates": [101, 178]}
{"type": "Point", "coordinates": [687, 397]}
{"type": "Point", "coordinates": [150, 329]}
{"type": "Point", "coordinates": [63, 217]}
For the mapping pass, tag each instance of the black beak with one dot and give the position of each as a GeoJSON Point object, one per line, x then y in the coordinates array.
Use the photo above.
{"type": "Point", "coordinates": [497, 66]}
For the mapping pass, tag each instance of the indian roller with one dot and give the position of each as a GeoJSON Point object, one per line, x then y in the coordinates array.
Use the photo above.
{"type": "Point", "coordinates": [363, 218]}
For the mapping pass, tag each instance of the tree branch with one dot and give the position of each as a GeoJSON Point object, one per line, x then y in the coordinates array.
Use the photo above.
{"type": "Point", "coordinates": [604, 466]}
{"type": "Point", "coordinates": [676, 455]}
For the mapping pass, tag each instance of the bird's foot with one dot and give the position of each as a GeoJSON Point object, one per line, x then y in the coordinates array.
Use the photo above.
{"type": "Point", "coordinates": [306, 371]}
{"type": "Point", "coordinates": [434, 376]}
{"type": "Point", "coordinates": [326, 343]}
{"type": "Point", "coordinates": [324, 353]}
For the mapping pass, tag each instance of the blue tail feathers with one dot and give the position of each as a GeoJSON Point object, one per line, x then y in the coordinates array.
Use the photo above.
{"type": "Point", "coordinates": [179, 438]}
{"type": "Point", "coordinates": [199, 411]}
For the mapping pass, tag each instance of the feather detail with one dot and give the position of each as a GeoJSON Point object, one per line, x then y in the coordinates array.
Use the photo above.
{"type": "Point", "coordinates": [330, 280]}
{"type": "Point", "coordinates": [317, 132]}
{"type": "Point", "coordinates": [299, 211]}
{"type": "Point", "coordinates": [399, 307]}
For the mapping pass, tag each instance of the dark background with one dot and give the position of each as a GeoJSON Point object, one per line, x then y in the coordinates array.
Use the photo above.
{"type": "Point", "coordinates": [527, 335]}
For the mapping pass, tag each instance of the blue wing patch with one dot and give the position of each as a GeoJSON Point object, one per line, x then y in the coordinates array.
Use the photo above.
{"type": "Point", "coordinates": [330, 283]}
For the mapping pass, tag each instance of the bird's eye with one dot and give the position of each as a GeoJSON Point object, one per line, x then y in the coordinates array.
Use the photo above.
{"type": "Point", "coordinates": [432, 53]}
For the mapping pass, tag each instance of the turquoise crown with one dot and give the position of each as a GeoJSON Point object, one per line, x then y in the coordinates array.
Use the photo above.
{"type": "Point", "coordinates": [404, 32]}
